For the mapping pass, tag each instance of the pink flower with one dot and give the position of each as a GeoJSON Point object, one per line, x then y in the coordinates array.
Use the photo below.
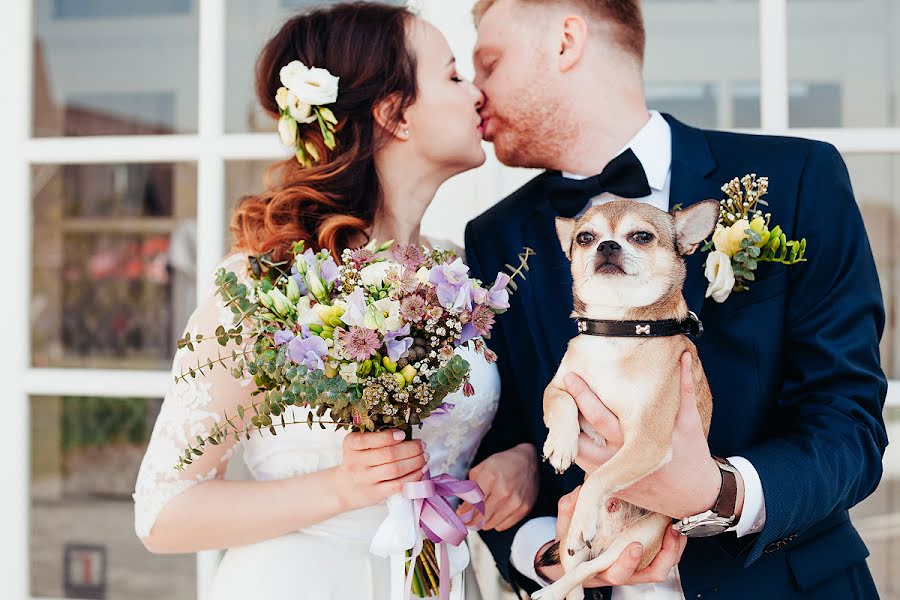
{"type": "Point", "coordinates": [360, 343]}
{"type": "Point", "coordinates": [482, 319]}
{"type": "Point", "coordinates": [409, 255]}
{"type": "Point", "coordinates": [412, 309]}
{"type": "Point", "coordinates": [468, 390]}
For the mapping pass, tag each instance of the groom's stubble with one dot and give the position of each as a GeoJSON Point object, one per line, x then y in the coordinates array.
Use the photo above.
{"type": "Point", "coordinates": [533, 125]}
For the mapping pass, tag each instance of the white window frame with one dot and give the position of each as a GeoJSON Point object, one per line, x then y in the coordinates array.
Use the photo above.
{"type": "Point", "coordinates": [209, 148]}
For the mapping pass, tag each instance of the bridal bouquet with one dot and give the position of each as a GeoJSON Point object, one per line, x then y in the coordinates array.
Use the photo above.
{"type": "Point", "coordinates": [366, 345]}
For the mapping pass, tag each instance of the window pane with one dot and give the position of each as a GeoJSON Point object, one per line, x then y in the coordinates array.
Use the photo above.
{"type": "Point", "coordinates": [701, 56]}
{"type": "Point", "coordinates": [249, 26]}
{"type": "Point", "coordinates": [875, 184]}
{"type": "Point", "coordinates": [84, 461]}
{"type": "Point", "coordinates": [242, 178]}
{"type": "Point", "coordinates": [113, 263]}
{"type": "Point", "coordinates": [878, 516]}
{"type": "Point", "coordinates": [104, 67]}
{"type": "Point", "coordinates": [848, 53]}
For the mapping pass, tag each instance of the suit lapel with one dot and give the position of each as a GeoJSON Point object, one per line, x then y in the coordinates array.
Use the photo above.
{"type": "Point", "coordinates": [692, 166]}
{"type": "Point", "coordinates": [549, 286]}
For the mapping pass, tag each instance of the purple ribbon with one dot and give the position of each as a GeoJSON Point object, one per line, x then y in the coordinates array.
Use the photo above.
{"type": "Point", "coordinates": [439, 521]}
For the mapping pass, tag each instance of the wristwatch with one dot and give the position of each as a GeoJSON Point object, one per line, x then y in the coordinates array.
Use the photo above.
{"type": "Point", "coordinates": [721, 517]}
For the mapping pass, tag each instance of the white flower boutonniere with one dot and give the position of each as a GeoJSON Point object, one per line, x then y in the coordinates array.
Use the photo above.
{"type": "Point", "coordinates": [743, 239]}
{"type": "Point", "coordinates": [301, 101]}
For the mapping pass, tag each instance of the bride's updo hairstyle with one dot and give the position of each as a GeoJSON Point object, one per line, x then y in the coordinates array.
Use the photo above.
{"type": "Point", "coordinates": [327, 204]}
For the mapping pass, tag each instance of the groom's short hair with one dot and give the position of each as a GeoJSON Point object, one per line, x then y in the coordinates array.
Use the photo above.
{"type": "Point", "coordinates": [624, 15]}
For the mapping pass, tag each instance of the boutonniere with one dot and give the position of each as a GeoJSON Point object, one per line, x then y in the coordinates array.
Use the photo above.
{"type": "Point", "coordinates": [744, 238]}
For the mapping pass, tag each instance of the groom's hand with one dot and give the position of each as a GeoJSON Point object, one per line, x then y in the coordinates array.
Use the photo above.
{"type": "Point", "coordinates": [509, 480]}
{"type": "Point", "coordinates": [625, 570]}
{"type": "Point", "coordinates": [688, 484]}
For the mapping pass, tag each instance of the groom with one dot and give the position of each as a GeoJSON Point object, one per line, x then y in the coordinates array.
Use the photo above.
{"type": "Point", "coordinates": [793, 363]}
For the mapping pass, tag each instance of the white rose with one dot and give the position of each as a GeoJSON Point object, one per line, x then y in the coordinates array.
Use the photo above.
{"type": "Point", "coordinates": [422, 275]}
{"type": "Point", "coordinates": [293, 74]}
{"type": "Point", "coordinates": [720, 276]}
{"type": "Point", "coordinates": [316, 87]}
{"type": "Point", "coordinates": [374, 274]}
{"type": "Point", "coordinates": [348, 373]}
{"type": "Point", "coordinates": [287, 129]}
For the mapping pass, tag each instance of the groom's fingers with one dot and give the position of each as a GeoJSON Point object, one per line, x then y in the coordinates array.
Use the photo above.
{"type": "Point", "coordinates": [593, 409]}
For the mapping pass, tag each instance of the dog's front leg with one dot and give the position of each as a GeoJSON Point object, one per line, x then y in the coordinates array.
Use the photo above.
{"type": "Point", "coordinates": [631, 463]}
{"type": "Point", "coordinates": [561, 418]}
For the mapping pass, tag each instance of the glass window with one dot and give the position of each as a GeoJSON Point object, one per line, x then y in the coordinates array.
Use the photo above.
{"type": "Point", "coordinates": [84, 461]}
{"type": "Point", "coordinates": [698, 55]}
{"type": "Point", "coordinates": [851, 48]}
{"type": "Point", "coordinates": [113, 263]}
{"type": "Point", "coordinates": [242, 178]}
{"type": "Point", "coordinates": [875, 184]}
{"type": "Point", "coordinates": [249, 25]}
{"type": "Point", "coordinates": [103, 67]}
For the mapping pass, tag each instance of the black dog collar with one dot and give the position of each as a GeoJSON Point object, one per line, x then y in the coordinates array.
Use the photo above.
{"type": "Point", "coordinates": [669, 327]}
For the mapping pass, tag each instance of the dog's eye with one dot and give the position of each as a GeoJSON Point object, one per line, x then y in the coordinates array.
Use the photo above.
{"type": "Point", "coordinates": [643, 237]}
{"type": "Point", "coordinates": [584, 238]}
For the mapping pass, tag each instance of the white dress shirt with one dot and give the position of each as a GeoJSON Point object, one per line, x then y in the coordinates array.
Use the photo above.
{"type": "Point", "coordinates": [653, 147]}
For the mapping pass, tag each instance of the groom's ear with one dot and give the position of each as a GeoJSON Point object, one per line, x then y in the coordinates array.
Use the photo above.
{"type": "Point", "coordinates": [386, 115]}
{"type": "Point", "coordinates": [572, 42]}
{"type": "Point", "coordinates": [564, 229]}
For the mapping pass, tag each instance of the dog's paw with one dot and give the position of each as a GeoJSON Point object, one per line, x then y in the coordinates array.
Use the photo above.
{"type": "Point", "coordinates": [561, 447]}
{"type": "Point", "coordinates": [583, 527]}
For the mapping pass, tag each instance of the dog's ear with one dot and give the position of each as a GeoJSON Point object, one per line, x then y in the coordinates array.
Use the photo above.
{"type": "Point", "coordinates": [564, 229]}
{"type": "Point", "coordinates": [694, 224]}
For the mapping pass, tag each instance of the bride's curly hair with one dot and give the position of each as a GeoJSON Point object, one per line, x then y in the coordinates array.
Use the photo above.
{"type": "Point", "coordinates": [331, 202]}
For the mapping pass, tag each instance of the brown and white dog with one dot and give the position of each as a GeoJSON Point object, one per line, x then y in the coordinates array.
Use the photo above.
{"type": "Point", "coordinates": [626, 266]}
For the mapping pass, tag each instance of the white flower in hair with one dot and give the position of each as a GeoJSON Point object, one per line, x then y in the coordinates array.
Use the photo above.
{"type": "Point", "coordinates": [315, 87]}
{"type": "Point", "coordinates": [301, 101]}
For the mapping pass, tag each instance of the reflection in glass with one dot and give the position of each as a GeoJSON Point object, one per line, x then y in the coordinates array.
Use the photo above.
{"type": "Point", "coordinates": [103, 67]}
{"type": "Point", "coordinates": [113, 272]}
{"type": "Point", "coordinates": [249, 25]}
{"type": "Point", "coordinates": [84, 461]}
{"type": "Point", "coordinates": [698, 52]}
{"type": "Point", "coordinates": [851, 47]}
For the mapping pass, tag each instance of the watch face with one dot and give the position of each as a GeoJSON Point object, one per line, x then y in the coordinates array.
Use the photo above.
{"type": "Point", "coordinates": [705, 530]}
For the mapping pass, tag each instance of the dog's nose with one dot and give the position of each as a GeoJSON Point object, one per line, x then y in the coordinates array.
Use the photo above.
{"type": "Point", "coordinates": [608, 248]}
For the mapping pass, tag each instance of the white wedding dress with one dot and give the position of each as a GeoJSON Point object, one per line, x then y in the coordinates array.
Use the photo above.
{"type": "Point", "coordinates": [329, 560]}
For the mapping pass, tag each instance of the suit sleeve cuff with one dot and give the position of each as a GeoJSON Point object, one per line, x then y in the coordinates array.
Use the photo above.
{"type": "Point", "coordinates": [529, 539]}
{"type": "Point", "coordinates": [753, 514]}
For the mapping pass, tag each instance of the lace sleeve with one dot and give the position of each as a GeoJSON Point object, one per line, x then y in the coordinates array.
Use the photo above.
{"type": "Point", "coordinates": [190, 408]}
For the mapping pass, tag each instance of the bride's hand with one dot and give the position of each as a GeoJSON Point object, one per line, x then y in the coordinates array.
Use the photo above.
{"type": "Point", "coordinates": [376, 465]}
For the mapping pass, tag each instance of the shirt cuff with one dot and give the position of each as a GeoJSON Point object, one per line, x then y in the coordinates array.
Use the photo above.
{"type": "Point", "coordinates": [528, 540]}
{"type": "Point", "coordinates": [753, 514]}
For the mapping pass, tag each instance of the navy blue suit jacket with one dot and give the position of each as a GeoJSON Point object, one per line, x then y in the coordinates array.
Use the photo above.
{"type": "Point", "coordinates": [793, 364]}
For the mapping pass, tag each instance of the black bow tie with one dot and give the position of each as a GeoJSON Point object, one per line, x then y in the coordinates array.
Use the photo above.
{"type": "Point", "coordinates": [624, 177]}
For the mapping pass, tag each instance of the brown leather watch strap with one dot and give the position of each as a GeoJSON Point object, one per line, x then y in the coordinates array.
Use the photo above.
{"type": "Point", "coordinates": [727, 500]}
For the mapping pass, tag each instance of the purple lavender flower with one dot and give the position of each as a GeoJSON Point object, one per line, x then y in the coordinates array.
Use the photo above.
{"type": "Point", "coordinates": [283, 337]}
{"type": "Point", "coordinates": [397, 345]}
{"type": "Point", "coordinates": [439, 415]}
{"type": "Point", "coordinates": [308, 350]}
{"type": "Point", "coordinates": [329, 270]}
{"type": "Point", "coordinates": [453, 286]}
{"type": "Point", "coordinates": [299, 279]}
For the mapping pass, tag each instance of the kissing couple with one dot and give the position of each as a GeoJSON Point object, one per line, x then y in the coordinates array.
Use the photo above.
{"type": "Point", "coordinates": [797, 434]}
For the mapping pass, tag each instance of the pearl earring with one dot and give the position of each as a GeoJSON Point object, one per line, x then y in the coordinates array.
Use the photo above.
{"type": "Point", "coordinates": [406, 133]}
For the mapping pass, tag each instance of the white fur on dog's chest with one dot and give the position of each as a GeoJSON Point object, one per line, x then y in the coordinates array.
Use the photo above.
{"type": "Point", "coordinates": [608, 366]}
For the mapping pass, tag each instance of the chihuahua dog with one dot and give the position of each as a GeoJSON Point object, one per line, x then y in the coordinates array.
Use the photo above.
{"type": "Point", "coordinates": [628, 274]}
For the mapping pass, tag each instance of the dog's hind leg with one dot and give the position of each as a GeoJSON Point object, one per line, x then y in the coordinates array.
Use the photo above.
{"type": "Point", "coordinates": [648, 531]}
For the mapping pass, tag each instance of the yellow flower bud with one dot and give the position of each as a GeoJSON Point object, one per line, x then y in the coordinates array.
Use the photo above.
{"type": "Point", "coordinates": [389, 364]}
{"type": "Point", "coordinates": [401, 381]}
{"type": "Point", "coordinates": [758, 225]}
{"type": "Point", "coordinates": [330, 371]}
{"type": "Point", "coordinates": [409, 372]}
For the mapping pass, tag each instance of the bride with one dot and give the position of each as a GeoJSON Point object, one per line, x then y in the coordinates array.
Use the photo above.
{"type": "Point", "coordinates": [301, 527]}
